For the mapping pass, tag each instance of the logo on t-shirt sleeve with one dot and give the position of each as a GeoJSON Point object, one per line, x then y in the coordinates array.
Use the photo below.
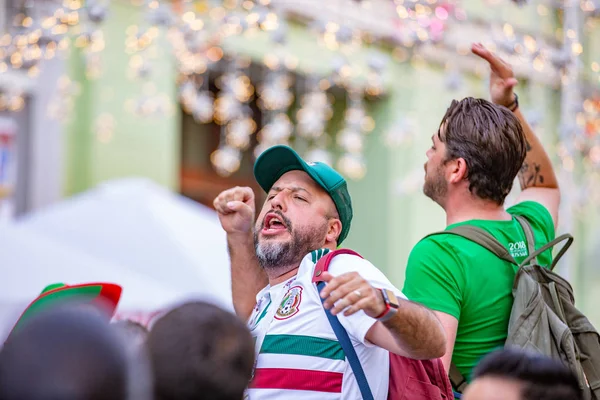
{"type": "Point", "coordinates": [518, 249]}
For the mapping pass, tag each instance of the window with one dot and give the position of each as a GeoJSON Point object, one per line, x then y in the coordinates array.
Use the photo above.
{"type": "Point", "coordinates": [198, 178]}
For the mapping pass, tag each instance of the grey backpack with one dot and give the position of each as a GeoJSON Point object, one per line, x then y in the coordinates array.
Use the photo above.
{"type": "Point", "coordinates": [543, 317]}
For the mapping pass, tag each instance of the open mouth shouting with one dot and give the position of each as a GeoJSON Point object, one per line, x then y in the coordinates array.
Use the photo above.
{"type": "Point", "coordinates": [274, 223]}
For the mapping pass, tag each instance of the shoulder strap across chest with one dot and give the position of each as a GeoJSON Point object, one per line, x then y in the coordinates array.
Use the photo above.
{"type": "Point", "coordinates": [338, 328]}
{"type": "Point", "coordinates": [323, 263]}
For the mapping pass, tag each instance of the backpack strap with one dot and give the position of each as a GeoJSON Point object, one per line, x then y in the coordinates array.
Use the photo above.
{"type": "Point", "coordinates": [338, 328]}
{"type": "Point", "coordinates": [482, 238]}
{"type": "Point", "coordinates": [549, 245]}
{"type": "Point", "coordinates": [528, 231]}
{"type": "Point", "coordinates": [459, 382]}
{"type": "Point", "coordinates": [533, 253]}
{"type": "Point", "coordinates": [323, 263]}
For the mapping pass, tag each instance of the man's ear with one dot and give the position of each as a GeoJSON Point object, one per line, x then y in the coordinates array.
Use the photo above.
{"type": "Point", "coordinates": [456, 170]}
{"type": "Point", "coordinates": [334, 230]}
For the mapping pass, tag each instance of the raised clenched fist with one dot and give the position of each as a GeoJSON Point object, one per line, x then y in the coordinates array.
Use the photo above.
{"type": "Point", "coordinates": [236, 210]}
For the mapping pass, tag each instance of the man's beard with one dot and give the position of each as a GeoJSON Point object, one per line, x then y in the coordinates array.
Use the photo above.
{"type": "Point", "coordinates": [276, 256]}
{"type": "Point", "coordinates": [435, 186]}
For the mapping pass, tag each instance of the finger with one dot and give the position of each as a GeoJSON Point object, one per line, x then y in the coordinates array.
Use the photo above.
{"type": "Point", "coordinates": [510, 83]}
{"type": "Point", "coordinates": [239, 207]}
{"type": "Point", "coordinates": [359, 305]}
{"type": "Point", "coordinates": [339, 292]}
{"type": "Point", "coordinates": [336, 282]}
{"type": "Point", "coordinates": [494, 61]}
{"type": "Point", "coordinates": [479, 50]}
{"type": "Point", "coordinates": [348, 300]}
{"type": "Point", "coordinates": [216, 203]}
{"type": "Point", "coordinates": [344, 291]}
{"type": "Point", "coordinates": [341, 306]}
{"type": "Point", "coordinates": [220, 205]}
{"type": "Point", "coordinates": [326, 277]}
{"type": "Point", "coordinates": [249, 196]}
{"type": "Point", "coordinates": [243, 194]}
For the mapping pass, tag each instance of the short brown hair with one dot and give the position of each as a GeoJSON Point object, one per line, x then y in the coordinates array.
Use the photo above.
{"type": "Point", "coordinates": [491, 141]}
{"type": "Point", "coordinates": [543, 377]}
{"type": "Point", "coordinates": [199, 351]}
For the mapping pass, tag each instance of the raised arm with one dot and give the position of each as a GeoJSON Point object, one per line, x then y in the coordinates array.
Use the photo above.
{"type": "Point", "coordinates": [235, 208]}
{"type": "Point", "coordinates": [537, 177]}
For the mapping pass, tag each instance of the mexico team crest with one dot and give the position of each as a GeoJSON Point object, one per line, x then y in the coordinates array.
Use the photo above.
{"type": "Point", "coordinates": [290, 305]}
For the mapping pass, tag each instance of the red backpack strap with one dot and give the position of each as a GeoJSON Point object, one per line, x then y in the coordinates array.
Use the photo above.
{"type": "Point", "coordinates": [323, 263]}
{"type": "Point", "coordinates": [339, 330]}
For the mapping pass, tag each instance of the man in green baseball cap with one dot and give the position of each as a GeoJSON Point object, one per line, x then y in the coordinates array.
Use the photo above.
{"type": "Point", "coordinates": [307, 214]}
{"type": "Point", "coordinates": [278, 160]}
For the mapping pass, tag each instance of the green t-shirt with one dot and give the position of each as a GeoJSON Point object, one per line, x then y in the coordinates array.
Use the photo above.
{"type": "Point", "coordinates": [453, 275]}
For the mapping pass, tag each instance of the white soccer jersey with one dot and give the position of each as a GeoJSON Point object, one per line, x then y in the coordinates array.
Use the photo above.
{"type": "Point", "coordinates": [300, 357]}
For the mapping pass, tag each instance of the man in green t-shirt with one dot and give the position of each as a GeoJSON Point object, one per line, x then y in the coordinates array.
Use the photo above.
{"type": "Point", "coordinates": [476, 154]}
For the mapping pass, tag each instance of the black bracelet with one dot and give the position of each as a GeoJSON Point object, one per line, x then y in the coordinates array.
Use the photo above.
{"type": "Point", "coordinates": [515, 104]}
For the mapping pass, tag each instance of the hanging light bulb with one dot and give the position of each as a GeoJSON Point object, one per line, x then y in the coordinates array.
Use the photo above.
{"type": "Point", "coordinates": [226, 160]}
{"type": "Point", "coordinates": [316, 110]}
{"type": "Point", "coordinates": [350, 140]}
{"type": "Point", "coordinates": [402, 132]}
{"type": "Point", "coordinates": [352, 165]}
{"type": "Point", "coordinates": [278, 131]}
{"type": "Point", "coordinates": [238, 133]}
{"type": "Point", "coordinates": [203, 106]}
{"type": "Point", "coordinates": [351, 137]}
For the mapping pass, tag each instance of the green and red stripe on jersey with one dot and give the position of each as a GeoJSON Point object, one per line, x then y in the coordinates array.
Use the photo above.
{"type": "Point", "coordinates": [303, 346]}
{"type": "Point", "coordinates": [297, 379]}
{"type": "Point", "coordinates": [300, 379]}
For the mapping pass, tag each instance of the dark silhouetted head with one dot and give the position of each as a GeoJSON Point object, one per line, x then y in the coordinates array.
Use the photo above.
{"type": "Point", "coordinates": [514, 374]}
{"type": "Point", "coordinates": [200, 352]}
{"type": "Point", "coordinates": [63, 354]}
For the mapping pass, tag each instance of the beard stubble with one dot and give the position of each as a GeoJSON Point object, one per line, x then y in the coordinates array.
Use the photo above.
{"type": "Point", "coordinates": [277, 257]}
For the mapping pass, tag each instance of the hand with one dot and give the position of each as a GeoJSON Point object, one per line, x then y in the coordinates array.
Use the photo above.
{"type": "Point", "coordinates": [502, 77]}
{"type": "Point", "coordinates": [236, 210]}
{"type": "Point", "coordinates": [351, 292]}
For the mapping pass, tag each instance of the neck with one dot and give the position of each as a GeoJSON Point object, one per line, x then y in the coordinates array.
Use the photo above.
{"type": "Point", "coordinates": [275, 279]}
{"type": "Point", "coordinates": [471, 207]}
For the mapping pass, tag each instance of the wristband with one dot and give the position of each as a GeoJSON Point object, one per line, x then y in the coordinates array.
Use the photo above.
{"type": "Point", "coordinates": [391, 305]}
{"type": "Point", "coordinates": [515, 104]}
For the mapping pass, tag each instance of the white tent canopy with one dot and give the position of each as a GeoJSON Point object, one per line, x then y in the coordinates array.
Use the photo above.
{"type": "Point", "coordinates": [31, 262]}
{"type": "Point", "coordinates": [160, 245]}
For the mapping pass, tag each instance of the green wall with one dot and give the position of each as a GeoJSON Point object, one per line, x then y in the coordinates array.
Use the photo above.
{"type": "Point", "coordinates": [140, 146]}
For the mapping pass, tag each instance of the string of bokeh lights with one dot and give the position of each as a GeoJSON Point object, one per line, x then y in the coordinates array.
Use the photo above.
{"type": "Point", "coordinates": [197, 31]}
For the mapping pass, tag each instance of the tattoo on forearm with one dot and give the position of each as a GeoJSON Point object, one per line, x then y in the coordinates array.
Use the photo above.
{"type": "Point", "coordinates": [530, 176]}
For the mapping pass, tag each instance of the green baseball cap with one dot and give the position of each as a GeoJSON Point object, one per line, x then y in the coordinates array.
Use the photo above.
{"type": "Point", "coordinates": [277, 160]}
{"type": "Point", "coordinates": [103, 295]}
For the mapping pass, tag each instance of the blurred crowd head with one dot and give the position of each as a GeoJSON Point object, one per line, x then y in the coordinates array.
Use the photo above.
{"type": "Point", "coordinates": [199, 351]}
{"type": "Point", "coordinates": [513, 373]}
{"type": "Point", "coordinates": [63, 353]}
{"type": "Point", "coordinates": [69, 352]}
